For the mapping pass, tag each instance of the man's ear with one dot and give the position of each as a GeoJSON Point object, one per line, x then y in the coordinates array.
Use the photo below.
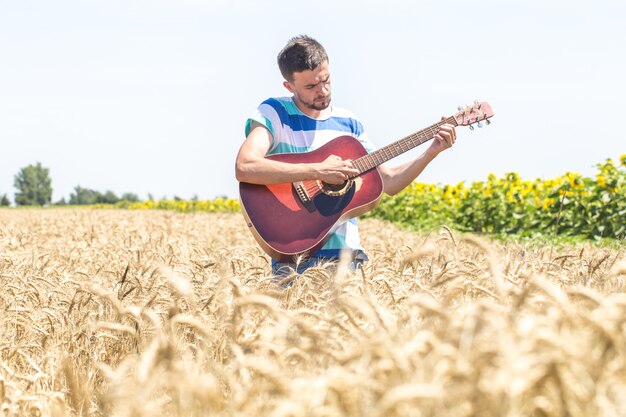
{"type": "Point", "coordinates": [288, 86]}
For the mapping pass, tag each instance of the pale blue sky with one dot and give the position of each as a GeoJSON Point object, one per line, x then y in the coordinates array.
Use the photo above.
{"type": "Point", "coordinates": [151, 96]}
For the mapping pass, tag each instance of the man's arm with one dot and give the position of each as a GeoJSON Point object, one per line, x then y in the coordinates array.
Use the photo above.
{"type": "Point", "coordinates": [251, 165]}
{"type": "Point", "coordinates": [396, 178]}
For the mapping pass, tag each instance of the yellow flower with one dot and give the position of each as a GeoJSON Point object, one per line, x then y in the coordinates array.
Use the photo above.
{"type": "Point", "coordinates": [510, 196]}
{"type": "Point", "coordinates": [513, 177]}
{"type": "Point", "coordinates": [574, 179]}
{"type": "Point", "coordinates": [622, 160]}
{"type": "Point", "coordinates": [547, 203]}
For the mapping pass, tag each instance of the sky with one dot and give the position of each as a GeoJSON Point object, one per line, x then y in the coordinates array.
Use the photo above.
{"type": "Point", "coordinates": [151, 96]}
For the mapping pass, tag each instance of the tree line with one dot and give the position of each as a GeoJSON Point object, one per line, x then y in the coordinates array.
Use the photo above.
{"type": "Point", "coordinates": [34, 188]}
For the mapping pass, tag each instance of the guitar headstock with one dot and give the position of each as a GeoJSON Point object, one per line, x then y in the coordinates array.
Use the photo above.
{"type": "Point", "coordinates": [476, 113]}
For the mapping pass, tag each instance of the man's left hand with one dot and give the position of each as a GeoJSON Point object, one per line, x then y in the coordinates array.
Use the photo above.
{"type": "Point", "coordinates": [444, 138]}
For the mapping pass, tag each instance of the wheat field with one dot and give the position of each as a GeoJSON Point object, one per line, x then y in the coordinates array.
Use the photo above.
{"type": "Point", "coordinates": [154, 313]}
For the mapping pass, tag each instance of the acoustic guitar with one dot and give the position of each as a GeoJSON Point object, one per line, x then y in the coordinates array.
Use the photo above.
{"type": "Point", "coordinates": [294, 219]}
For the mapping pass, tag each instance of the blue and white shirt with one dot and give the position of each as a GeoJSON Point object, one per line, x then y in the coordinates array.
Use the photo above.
{"type": "Point", "coordinates": [293, 131]}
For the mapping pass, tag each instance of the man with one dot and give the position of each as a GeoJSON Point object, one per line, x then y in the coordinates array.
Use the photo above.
{"type": "Point", "coordinates": [304, 122]}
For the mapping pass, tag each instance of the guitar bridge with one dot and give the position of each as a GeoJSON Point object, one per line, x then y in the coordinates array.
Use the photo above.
{"type": "Point", "coordinates": [304, 196]}
{"type": "Point", "coordinates": [302, 192]}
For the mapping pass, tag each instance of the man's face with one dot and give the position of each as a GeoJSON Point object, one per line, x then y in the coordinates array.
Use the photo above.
{"type": "Point", "coordinates": [311, 89]}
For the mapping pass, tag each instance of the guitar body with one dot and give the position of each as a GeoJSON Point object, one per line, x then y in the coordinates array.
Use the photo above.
{"type": "Point", "coordinates": [285, 226]}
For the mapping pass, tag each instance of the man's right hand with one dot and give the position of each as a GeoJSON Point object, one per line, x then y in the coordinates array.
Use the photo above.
{"type": "Point", "coordinates": [251, 165]}
{"type": "Point", "coordinates": [335, 170]}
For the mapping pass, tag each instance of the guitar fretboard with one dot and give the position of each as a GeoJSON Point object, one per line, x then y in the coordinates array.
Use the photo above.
{"type": "Point", "coordinates": [382, 155]}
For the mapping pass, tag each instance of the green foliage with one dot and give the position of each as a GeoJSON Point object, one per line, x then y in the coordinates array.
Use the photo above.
{"type": "Point", "coordinates": [4, 201]}
{"type": "Point", "coordinates": [108, 197]}
{"type": "Point", "coordinates": [86, 196]}
{"type": "Point", "coordinates": [34, 187]}
{"type": "Point", "coordinates": [82, 196]}
{"type": "Point", "coordinates": [566, 206]}
{"type": "Point", "coordinates": [185, 206]}
{"type": "Point", "coordinates": [130, 197]}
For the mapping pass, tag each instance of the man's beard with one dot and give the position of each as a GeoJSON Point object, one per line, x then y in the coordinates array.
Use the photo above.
{"type": "Point", "coordinates": [319, 106]}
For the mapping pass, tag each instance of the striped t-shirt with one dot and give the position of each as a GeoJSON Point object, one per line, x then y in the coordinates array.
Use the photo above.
{"type": "Point", "coordinates": [293, 131]}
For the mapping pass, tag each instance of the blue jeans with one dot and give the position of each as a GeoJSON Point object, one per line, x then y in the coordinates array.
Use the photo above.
{"type": "Point", "coordinates": [283, 269]}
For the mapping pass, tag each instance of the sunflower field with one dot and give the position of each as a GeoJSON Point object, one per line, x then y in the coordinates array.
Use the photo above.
{"type": "Point", "coordinates": [570, 205]}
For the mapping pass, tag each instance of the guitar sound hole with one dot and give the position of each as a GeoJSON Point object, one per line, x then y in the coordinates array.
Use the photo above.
{"type": "Point", "coordinates": [331, 203]}
{"type": "Point", "coordinates": [335, 190]}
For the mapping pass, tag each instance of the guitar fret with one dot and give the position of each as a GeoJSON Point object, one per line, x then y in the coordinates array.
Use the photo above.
{"type": "Point", "coordinates": [357, 164]}
{"type": "Point", "coordinates": [380, 156]}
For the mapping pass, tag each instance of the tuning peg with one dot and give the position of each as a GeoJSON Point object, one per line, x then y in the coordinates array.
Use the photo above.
{"type": "Point", "coordinates": [471, 127]}
{"type": "Point", "coordinates": [479, 124]}
{"type": "Point", "coordinates": [459, 108]}
{"type": "Point", "coordinates": [488, 122]}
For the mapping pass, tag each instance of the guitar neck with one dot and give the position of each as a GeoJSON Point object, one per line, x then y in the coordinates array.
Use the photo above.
{"type": "Point", "coordinates": [382, 155]}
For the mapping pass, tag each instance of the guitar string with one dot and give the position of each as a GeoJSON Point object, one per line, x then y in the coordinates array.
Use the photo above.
{"type": "Point", "coordinates": [384, 154]}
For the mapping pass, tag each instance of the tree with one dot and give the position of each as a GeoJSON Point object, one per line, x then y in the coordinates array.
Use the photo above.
{"type": "Point", "coordinates": [108, 198]}
{"type": "Point", "coordinates": [34, 187]}
{"type": "Point", "coordinates": [84, 196]}
{"type": "Point", "coordinates": [4, 200]}
{"type": "Point", "coordinates": [130, 197]}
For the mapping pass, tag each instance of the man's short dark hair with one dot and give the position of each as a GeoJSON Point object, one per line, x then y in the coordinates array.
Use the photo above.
{"type": "Point", "coordinates": [300, 54]}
